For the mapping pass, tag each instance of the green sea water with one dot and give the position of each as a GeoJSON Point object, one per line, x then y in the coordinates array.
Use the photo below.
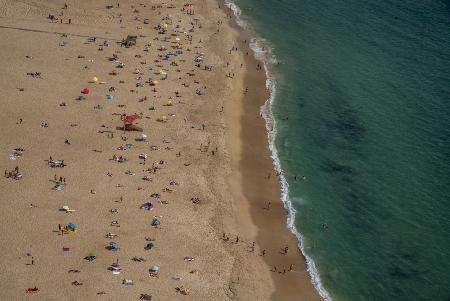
{"type": "Point", "coordinates": [362, 110]}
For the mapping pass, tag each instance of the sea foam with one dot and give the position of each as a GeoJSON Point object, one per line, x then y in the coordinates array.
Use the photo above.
{"type": "Point", "coordinates": [264, 53]}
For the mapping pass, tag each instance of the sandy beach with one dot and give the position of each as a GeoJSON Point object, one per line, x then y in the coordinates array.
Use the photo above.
{"type": "Point", "coordinates": [177, 211]}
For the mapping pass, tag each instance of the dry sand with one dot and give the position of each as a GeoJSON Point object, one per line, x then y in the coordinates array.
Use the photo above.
{"type": "Point", "coordinates": [212, 145]}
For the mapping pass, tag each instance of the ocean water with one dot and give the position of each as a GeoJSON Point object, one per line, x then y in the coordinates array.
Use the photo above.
{"type": "Point", "coordinates": [361, 108]}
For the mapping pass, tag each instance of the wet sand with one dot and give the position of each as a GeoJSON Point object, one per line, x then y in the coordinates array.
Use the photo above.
{"type": "Point", "coordinates": [252, 165]}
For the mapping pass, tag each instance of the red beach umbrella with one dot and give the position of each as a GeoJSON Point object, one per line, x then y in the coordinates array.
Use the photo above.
{"type": "Point", "coordinates": [129, 119]}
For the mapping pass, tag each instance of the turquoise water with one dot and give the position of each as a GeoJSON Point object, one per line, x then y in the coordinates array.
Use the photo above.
{"type": "Point", "coordinates": [363, 112]}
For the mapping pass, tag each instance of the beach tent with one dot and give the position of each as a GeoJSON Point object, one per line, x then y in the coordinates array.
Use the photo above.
{"type": "Point", "coordinates": [156, 222]}
{"type": "Point", "coordinates": [109, 97]}
{"type": "Point", "coordinates": [72, 226]}
{"type": "Point", "coordinates": [154, 268]}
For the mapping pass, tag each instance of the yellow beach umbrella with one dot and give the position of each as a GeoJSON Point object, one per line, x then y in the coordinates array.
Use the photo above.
{"type": "Point", "coordinates": [169, 103]}
{"type": "Point", "coordinates": [155, 82]}
{"type": "Point", "coordinates": [165, 25]}
{"type": "Point", "coordinates": [162, 118]}
{"type": "Point", "coordinates": [94, 79]}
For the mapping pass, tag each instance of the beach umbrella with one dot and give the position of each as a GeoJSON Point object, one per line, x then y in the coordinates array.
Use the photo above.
{"type": "Point", "coordinates": [94, 79]}
{"type": "Point", "coordinates": [154, 268]}
{"type": "Point", "coordinates": [115, 265]}
{"type": "Point", "coordinates": [67, 209]}
{"type": "Point", "coordinates": [129, 119]}
{"type": "Point", "coordinates": [162, 118]}
{"type": "Point", "coordinates": [142, 137]}
{"type": "Point", "coordinates": [85, 91]}
{"type": "Point", "coordinates": [156, 222]}
{"type": "Point", "coordinates": [165, 25]}
{"type": "Point", "coordinates": [148, 206]}
{"type": "Point", "coordinates": [109, 97]}
{"type": "Point", "coordinates": [91, 256]}
{"type": "Point", "coordinates": [169, 103]}
{"type": "Point", "coordinates": [113, 245]}
{"type": "Point", "coordinates": [72, 226]}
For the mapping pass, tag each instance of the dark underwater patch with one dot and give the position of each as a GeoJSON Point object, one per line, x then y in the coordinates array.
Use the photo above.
{"type": "Point", "coordinates": [331, 166]}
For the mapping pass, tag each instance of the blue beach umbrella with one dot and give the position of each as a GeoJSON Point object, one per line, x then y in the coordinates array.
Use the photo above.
{"type": "Point", "coordinates": [113, 245]}
{"type": "Point", "coordinates": [71, 226]}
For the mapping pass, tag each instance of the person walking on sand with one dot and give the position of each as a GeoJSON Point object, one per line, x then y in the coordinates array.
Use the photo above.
{"type": "Point", "coordinates": [264, 253]}
{"type": "Point", "coordinates": [286, 250]}
{"type": "Point", "coordinates": [237, 239]}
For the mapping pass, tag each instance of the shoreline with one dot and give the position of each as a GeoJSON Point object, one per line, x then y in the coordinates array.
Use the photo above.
{"type": "Point", "coordinates": [259, 187]}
